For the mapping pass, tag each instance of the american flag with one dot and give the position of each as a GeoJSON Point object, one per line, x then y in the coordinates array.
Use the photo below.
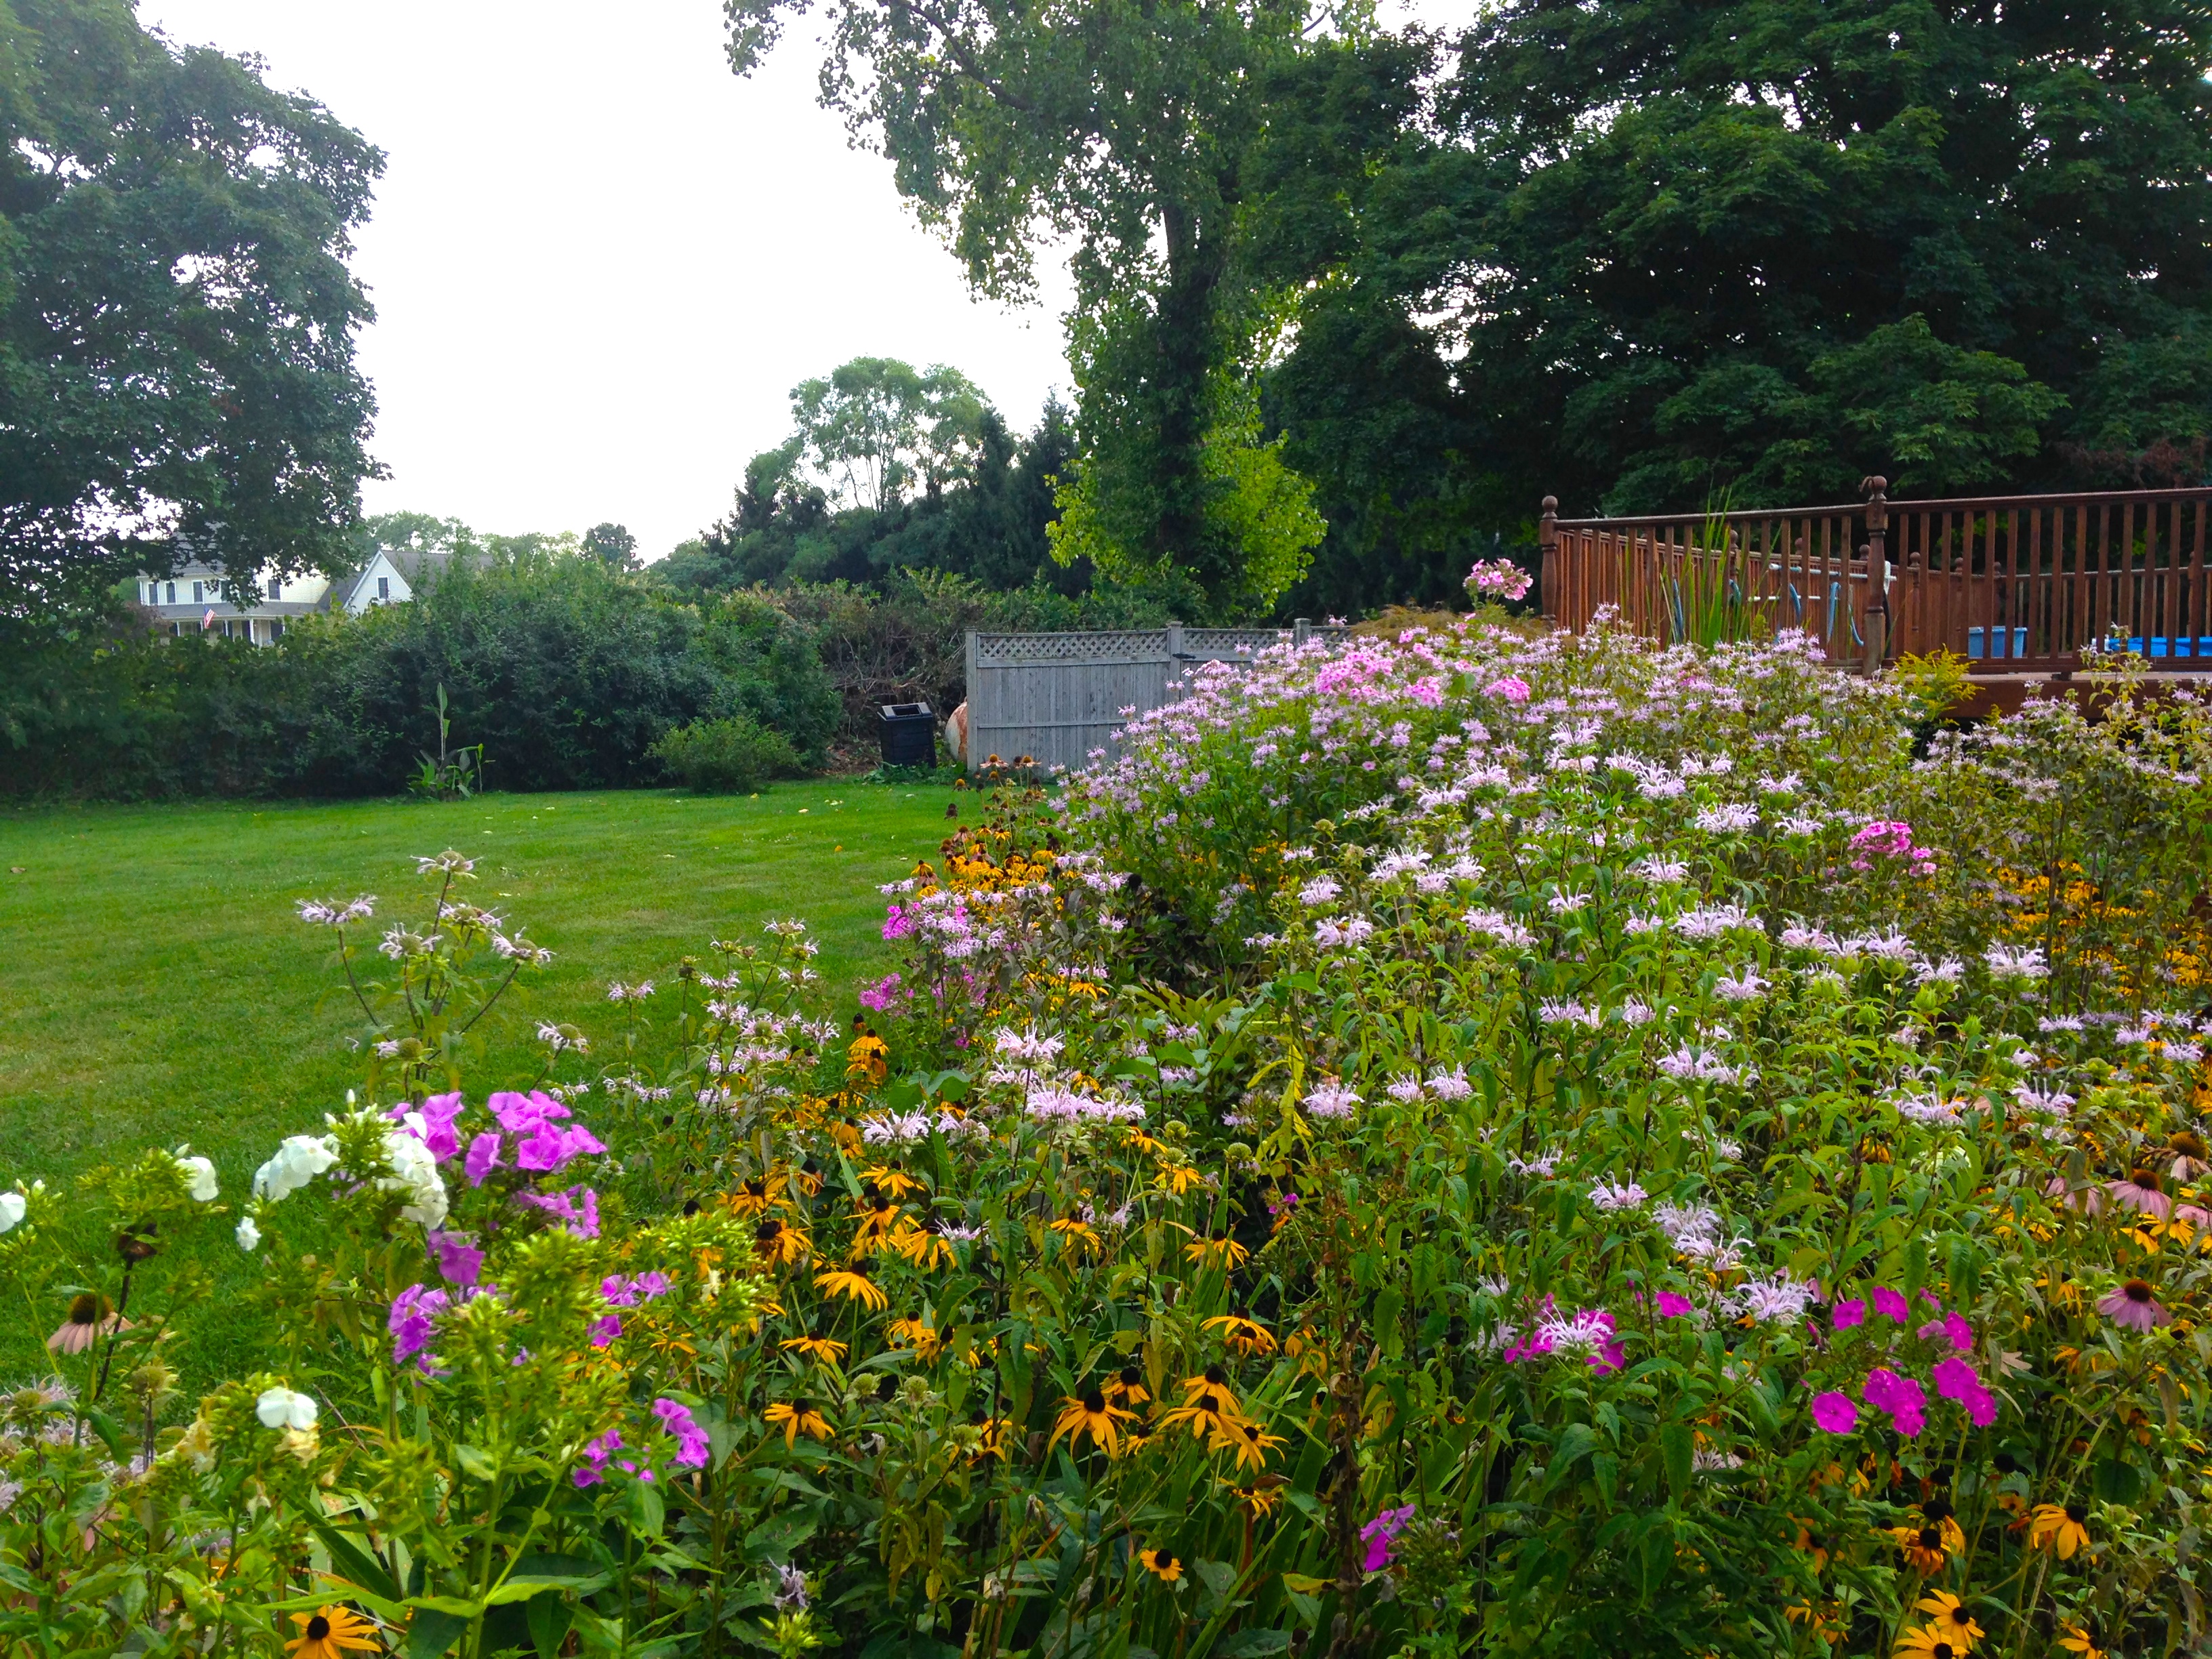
{"type": "Point", "coordinates": [207, 620]}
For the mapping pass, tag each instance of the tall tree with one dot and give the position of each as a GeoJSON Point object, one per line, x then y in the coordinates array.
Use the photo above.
{"type": "Point", "coordinates": [177, 321]}
{"type": "Point", "coordinates": [1776, 244]}
{"type": "Point", "coordinates": [612, 546]}
{"type": "Point", "coordinates": [1128, 128]}
{"type": "Point", "coordinates": [875, 426]}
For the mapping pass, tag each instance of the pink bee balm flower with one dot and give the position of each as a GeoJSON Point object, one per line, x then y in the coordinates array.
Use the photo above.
{"type": "Point", "coordinates": [1851, 1313]}
{"type": "Point", "coordinates": [2135, 1305]}
{"type": "Point", "coordinates": [1888, 1304]}
{"type": "Point", "coordinates": [1834, 1412]}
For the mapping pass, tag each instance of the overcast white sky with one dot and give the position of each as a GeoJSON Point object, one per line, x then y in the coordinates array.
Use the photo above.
{"type": "Point", "coordinates": [600, 261]}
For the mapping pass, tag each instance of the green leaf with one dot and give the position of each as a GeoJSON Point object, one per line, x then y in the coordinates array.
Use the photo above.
{"type": "Point", "coordinates": [1678, 1448]}
{"type": "Point", "coordinates": [476, 1462]}
{"type": "Point", "coordinates": [432, 1632]}
{"type": "Point", "coordinates": [1249, 1644]}
{"type": "Point", "coordinates": [548, 1617]}
{"type": "Point", "coordinates": [354, 1562]}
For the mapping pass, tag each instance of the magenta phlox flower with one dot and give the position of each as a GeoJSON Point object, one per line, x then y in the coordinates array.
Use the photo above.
{"type": "Point", "coordinates": [520, 1114]}
{"type": "Point", "coordinates": [1511, 687]}
{"type": "Point", "coordinates": [1959, 1332]}
{"type": "Point", "coordinates": [483, 1159]}
{"type": "Point", "coordinates": [1672, 1304]}
{"type": "Point", "coordinates": [1848, 1314]}
{"type": "Point", "coordinates": [1957, 1379]}
{"type": "Point", "coordinates": [549, 1146]}
{"type": "Point", "coordinates": [885, 991]}
{"type": "Point", "coordinates": [605, 1329]}
{"type": "Point", "coordinates": [1900, 1396]}
{"type": "Point", "coordinates": [1835, 1411]}
{"type": "Point", "coordinates": [1890, 1305]}
{"type": "Point", "coordinates": [412, 1322]}
{"type": "Point", "coordinates": [578, 1207]}
{"type": "Point", "coordinates": [620, 1292]}
{"type": "Point", "coordinates": [897, 924]}
{"type": "Point", "coordinates": [432, 1123]}
{"type": "Point", "coordinates": [692, 1448]}
{"type": "Point", "coordinates": [1379, 1533]}
{"type": "Point", "coordinates": [592, 1469]}
{"type": "Point", "coordinates": [459, 1259]}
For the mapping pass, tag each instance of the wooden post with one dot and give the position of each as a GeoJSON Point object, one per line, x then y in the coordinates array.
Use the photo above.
{"type": "Point", "coordinates": [1547, 543]}
{"type": "Point", "coordinates": [1877, 558]}
{"type": "Point", "coordinates": [1174, 644]}
{"type": "Point", "coordinates": [974, 698]}
{"type": "Point", "coordinates": [1301, 630]}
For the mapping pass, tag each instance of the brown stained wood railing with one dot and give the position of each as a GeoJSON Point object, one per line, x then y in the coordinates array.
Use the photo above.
{"type": "Point", "coordinates": [2012, 583]}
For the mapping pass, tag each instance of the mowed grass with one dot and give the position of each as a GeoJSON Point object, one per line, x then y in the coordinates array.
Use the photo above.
{"type": "Point", "coordinates": [157, 987]}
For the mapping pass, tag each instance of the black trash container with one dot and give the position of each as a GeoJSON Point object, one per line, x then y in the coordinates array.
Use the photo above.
{"type": "Point", "coordinates": [909, 734]}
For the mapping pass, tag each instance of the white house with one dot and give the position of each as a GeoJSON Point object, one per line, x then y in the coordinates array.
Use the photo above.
{"type": "Point", "coordinates": [197, 598]}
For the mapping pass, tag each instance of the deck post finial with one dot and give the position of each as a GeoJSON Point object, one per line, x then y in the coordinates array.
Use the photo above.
{"type": "Point", "coordinates": [1547, 548]}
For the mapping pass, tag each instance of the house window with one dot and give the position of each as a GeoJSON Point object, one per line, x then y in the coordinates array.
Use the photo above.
{"type": "Point", "coordinates": [384, 587]}
{"type": "Point", "coordinates": [276, 588]}
{"type": "Point", "coordinates": [199, 591]}
{"type": "Point", "coordinates": [172, 593]}
{"type": "Point", "coordinates": [276, 629]}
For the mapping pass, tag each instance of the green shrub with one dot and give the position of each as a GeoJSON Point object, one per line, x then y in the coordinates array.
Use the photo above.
{"type": "Point", "coordinates": [733, 754]}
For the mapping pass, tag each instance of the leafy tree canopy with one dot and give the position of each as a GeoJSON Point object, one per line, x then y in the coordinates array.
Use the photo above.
{"type": "Point", "coordinates": [612, 544]}
{"type": "Point", "coordinates": [177, 321]}
{"type": "Point", "coordinates": [1127, 130]}
{"type": "Point", "coordinates": [875, 426]}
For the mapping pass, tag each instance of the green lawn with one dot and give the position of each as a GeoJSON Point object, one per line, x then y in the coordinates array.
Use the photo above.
{"type": "Point", "coordinates": [155, 985]}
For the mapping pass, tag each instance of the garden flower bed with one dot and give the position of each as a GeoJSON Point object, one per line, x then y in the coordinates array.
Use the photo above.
{"type": "Point", "coordinates": [1469, 1144]}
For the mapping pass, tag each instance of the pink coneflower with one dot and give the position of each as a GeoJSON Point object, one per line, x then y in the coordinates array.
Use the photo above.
{"type": "Point", "coordinates": [2141, 1191]}
{"type": "Point", "coordinates": [90, 1317]}
{"type": "Point", "coordinates": [2089, 1200]}
{"type": "Point", "coordinates": [2133, 1304]}
{"type": "Point", "coordinates": [2192, 1157]}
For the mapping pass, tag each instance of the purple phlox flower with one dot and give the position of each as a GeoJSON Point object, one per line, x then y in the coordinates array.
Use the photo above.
{"type": "Point", "coordinates": [1834, 1412]}
{"type": "Point", "coordinates": [414, 1313]}
{"type": "Point", "coordinates": [605, 1329]}
{"type": "Point", "coordinates": [1851, 1313]}
{"type": "Point", "coordinates": [1900, 1396]}
{"type": "Point", "coordinates": [459, 1259]}
{"type": "Point", "coordinates": [579, 1207]}
{"type": "Point", "coordinates": [520, 1114]}
{"type": "Point", "coordinates": [691, 1445]}
{"type": "Point", "coordinates": [897, 924]}
{"type": "Point", "coordinates": [1888, 1304]}
{"type": "Point", "coordinates": [653, 1284]}
{"type": "Point", "coordinates": [1377, 1534]}
{"type": "Point", "coordinates": [620, 1292]}
{"type": "Point", "coordinates": [550, 1146]}
{"type": "Point", "coordinates": [483, 1159]}
{"type": "Point", "coordinates": [432, 1123]}
{"type": "Point", "coordinates": [591, 1470]}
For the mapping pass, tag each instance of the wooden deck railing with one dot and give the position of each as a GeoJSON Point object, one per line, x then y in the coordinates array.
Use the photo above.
{"type": "Point", "coordinates": [2013, 583]}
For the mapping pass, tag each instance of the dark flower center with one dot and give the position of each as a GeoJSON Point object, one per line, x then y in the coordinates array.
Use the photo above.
{"type": "Point", "coordinates": [1216, 1375]}
{"type": "Point", "coordinates": [317, 1628]}
{"type": "Point", "coordinates": [1094, 1402]}
{"type": "Point", "coordinates": [2187, 1141]}
{"type": "Point", "coordinates": [1936, 1510]}
{"type": "Point", "coordinates": [1942, 1650]}
{"type": "Point", "coordinates": [1960, 1616]}
{"type": "Point", "coordinates": [1931, 1538]}
{"type": "Point", "coordinates": [800, 1406]}
{"type": "Point", "coordinates": [2136, 1289]}
{"type": "Point", "coordinates": [767, 1231]}
{"type": "Point", "coordinates": [1167, 1561]}
{"type": "Point", "coordinates": [2076, 1513]}
{"type": "Point", "coordinates": [1131, 1376]}
{"type": "Point", "coordinates": [83, 1308]}
{"type": "Point", "coordinates": [1210, 1401]}
{"type": "Point", "coordinates": [2146, 1179]}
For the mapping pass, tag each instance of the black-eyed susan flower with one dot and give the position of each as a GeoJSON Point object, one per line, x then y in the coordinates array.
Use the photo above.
{"type": "Point", "coordinates": [926, 1246]}
{"type": "Point", "coordinates": [751, 1197]}
{"type": "Point", "coordinates": [1922, 1547]}
{"type": "Point", "coordinates": [1177, 1179]}
{"type": "Point", "coordinates": [781, 1243]}
{"type": "Point", "coordinates": [1925, 1642]}
{"type": "Point", "coordinates": [918, 1335]}
{"type": "Point", "coordinates": [852, 1283]}
{"type": "Point", "coordinates": [1243, 1335]}
{"type": "Point", "coordinates": [2080, 1638]}
{"type": "Point", "coordinates": [815, 1347]}
{"type": "Point", "coordinates": [1211, 1413]}
{"type": "Point", "coordinates": [867, 1056]}
{"type": "Point", "coordinates": [1949, 1616]}
{"type": "Point", "coordinates": [797, 1417]}
{"type": "Point", "coordinates": [880, 1216]}
{"type": "Point", "coordinates": [895, 1181]}
{"type": "Point", "coordinates": [1126, 1386]}
{"type": "Point", "coordinates": [1249, 1441]}
{"type": "Point", "coordinates": [1093, 1415]}
{"type": "Point", "coordinates": [1223, 1253]}
{"type": "Point", "coordinates": [332, 1632]}
{"type": "Point", "coordinates": [1078, 1234]}
{"type": "Point", "coordinates": [1164, 1564]}
{"type": "Point", "coordinates": [2063, 1527]}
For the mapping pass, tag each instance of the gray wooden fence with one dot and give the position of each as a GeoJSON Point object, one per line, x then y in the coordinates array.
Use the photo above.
{"type": "Point", "coordinates": [1055, 698]}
